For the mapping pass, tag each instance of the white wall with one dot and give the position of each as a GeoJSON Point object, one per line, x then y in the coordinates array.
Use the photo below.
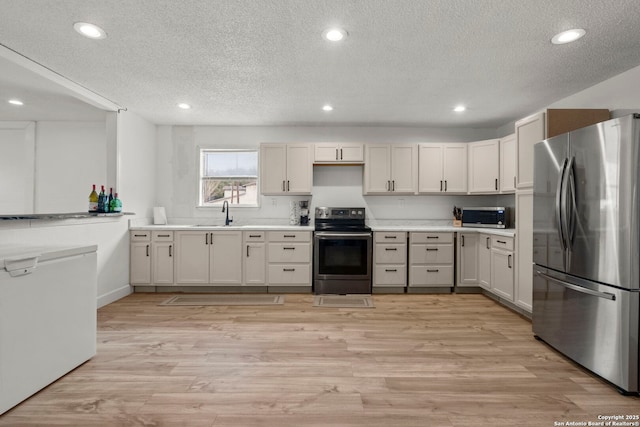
{"type": "Point", "coordinates": [17, 154]}
{"type": "Point", "coordinates": [177, 170]}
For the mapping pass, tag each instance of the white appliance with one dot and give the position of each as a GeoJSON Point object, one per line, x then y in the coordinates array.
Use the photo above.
{"type": "Point", "coordinates": [47, 316]}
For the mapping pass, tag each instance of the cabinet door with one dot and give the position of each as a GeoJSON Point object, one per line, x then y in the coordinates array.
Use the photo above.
{"type": "Point", "coordinates": [468, 250]}
{"type": "Point", "coordinates": [299, 169]}
{"type": "Point", "coordinates": [524, 249]}
{"type": "Point", "coordinates": [454, 168]}
{"type": "Point", "coordinates": [484, 166]}
{"type": "Point", "coordinates": [225, 262]}
{"type": "Point", "coordinates": [377, 169]}
{"type": "Point", "coordinates": [192, 257]}
{"type": "Point", "coordinates": [404, 168]}
{"type": "Point", "coordinates": [430, 179]}
{"type": "Point", "coordinates": [273, 168]}
{"type": "Point", "coordinates": [528, 131]}
{"type": "Point", "coordinates": [502, 273]}
{"type": "Point", "coordinates": [351, 153]}
{"type": "Point", "coordinates": [255, 263]}
{"type": "Point", "coordinates": [140, 270]}
{"type": "Point", "coordinates": [162, 262]}
{"type": "Point", "coordinates": [484, 261]}
{"type": "Point", "coordinates": [508, 164]}
{"type": "Point", "coordinates": [326, 152]}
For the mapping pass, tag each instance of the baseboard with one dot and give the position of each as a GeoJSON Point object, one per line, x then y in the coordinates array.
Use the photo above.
{"type": "Point", "coordinates": [468, 290]}
{"type": "Point", "coordinates": [114, 295]}
{"type": "Point", "coordinates": [511, 306]}
{"type": "Point", "coordinates": [289, 289]}
{"type": "Point", "coordinates": [388, 290]}
{"type": "Point", "coordinates": [429, 290]}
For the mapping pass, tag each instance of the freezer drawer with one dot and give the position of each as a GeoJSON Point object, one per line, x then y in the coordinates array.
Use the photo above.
{"type": "Point", "coordinates": [47, 324]}
{"type": "Point", "coordinates": [593, 324]}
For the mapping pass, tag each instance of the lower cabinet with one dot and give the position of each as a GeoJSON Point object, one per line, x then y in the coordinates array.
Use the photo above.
{"type": "Point", "coordinates": [255, 258]}
{"type": "Point", "coordinates": [484, 261]}
{"type": "Point", "coordinates": [430, 260]}
{"type": "Point", "coordinates": [389, 260]}
{"type": "Point", "coordinates": [162, 250]}
{"type": "Point", "coordinates": [151, 257]}
{"type": "Point", "coordinates": [208, 258]}
{"type": "Point", "coordinates": [524, 249]}
{"type": "Point", "coordinates": [289, 259]}
{"type": "Point", "coordinates": [140, 257]}
{"type": "Point", "coordinates": [468, 259]}
{"type": "Point", "coordinates": [502, 267]}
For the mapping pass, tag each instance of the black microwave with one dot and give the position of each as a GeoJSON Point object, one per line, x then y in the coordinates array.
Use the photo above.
{"type": "Point", "coordinates": [494, 217]}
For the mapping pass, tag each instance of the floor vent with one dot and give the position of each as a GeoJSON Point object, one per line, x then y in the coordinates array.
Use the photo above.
{"type": "Point", "coordinates": [226, 299]}
{"type": "Point", "coordinates": [343, 301]}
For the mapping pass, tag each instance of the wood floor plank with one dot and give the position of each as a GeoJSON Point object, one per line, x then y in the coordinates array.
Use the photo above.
{"type": "Point", "coordinates": [413, 360]}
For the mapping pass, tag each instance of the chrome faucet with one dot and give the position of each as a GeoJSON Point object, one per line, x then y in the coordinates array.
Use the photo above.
{"type": "Point", "coordinates": [227, 221]}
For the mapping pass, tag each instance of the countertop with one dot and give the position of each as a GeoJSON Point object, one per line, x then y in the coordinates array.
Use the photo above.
{"type": "Point", "coordinates": [13, 253]}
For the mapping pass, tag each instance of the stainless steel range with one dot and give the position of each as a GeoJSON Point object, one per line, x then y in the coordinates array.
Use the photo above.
{"type": "Point", "coordinates": [342, 254]}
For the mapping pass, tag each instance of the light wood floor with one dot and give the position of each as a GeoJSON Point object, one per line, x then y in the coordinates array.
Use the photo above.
{"type": "Point", "coordinates": [413, 360]}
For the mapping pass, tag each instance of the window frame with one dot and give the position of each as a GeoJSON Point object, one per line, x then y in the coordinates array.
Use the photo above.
{"type": "Point", "coordinates": [200, 176]}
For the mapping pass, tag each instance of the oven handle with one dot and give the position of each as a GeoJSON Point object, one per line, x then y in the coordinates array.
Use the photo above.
{"type": "Point", "coordinates": [324, 235]}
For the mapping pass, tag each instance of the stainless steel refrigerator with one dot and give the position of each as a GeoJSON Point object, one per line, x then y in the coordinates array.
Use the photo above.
{"type": "Point", "coordinates": [586, 232]}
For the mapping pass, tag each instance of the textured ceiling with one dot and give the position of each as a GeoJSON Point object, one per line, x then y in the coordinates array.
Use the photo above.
{"type": "Point", "coordinates": [405, 62]}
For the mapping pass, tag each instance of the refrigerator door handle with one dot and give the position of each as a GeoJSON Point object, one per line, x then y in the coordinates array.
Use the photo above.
{"type": "Point", "coordinates": [571, 203]}
{"type": "Point", "coordinates": [605, 295]}
{"type": "Point", "coordinates": [558, 209]}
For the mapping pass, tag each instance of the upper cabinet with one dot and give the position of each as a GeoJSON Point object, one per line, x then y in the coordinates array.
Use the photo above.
{"type": "Point", "coordinates": [331, 152]}
{"type": "Point", "coordinates": [443, 168]}
{"type": "Point", "coordinates": [286, 169]}
{"type": "Point", "coordinates": [537, 127]}
{"type": "Point", "coordinates": [390, 169]}
{"type": "Point", "coordinates": [508, 164]}
{"type": "Point", "coordinates": [484, 166]}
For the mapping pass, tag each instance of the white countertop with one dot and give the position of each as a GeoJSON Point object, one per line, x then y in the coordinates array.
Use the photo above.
{"type": "Point", "coordinates": [42, 253]}
{"type": "Point", "coordinates": [205, 227]}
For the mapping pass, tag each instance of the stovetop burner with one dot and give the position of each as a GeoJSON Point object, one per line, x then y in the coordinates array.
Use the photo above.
{"type": "Point", "coordinates": [341, 219]}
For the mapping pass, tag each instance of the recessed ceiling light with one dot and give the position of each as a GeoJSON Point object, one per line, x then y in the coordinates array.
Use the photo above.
{"type": "Point", "coordinates": [568, 36]}
{"type": "Point", "coordinates": [459, 108]}
{"type": "Point", "coordinates": [184, 106]}
{"type": "Point", "coordinates": [334, 34]}
{"type": "Point", "coordinates": [16, 102]}
{"type": "Point", "coordinates": [327, 108]}
{"type": "Point", "coordinates": [89, 30]}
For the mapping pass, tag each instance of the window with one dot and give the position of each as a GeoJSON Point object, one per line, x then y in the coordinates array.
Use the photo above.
{"type": "Point", "coordinates": [228, 175]}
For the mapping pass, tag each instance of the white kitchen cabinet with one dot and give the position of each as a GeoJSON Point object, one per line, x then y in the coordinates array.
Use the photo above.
{"type": "Point", "coordinates": [508, 164]}
{"type": "Point", "coordinates": [140, 258]}
{"type": "Point", "coordinates": [390, 169]}
{"type": "Point", "coordinates": [529, 131]}
{"type": "Point", "coordinates": [502, 273]}
{"type": "Point", "coordinates": [524, 250]}
{"type": "Point", "coordinates": [467, 259]}
{"type": "Point", "coordinates": [430, 260]}
{"type": "Point", "coordinates": [289, 259]}
{"type": "Point", "coordinates": [484, 166]}
{"type": "Point", "coordinates": [255, 258]}
{"type": "Point", "coordinates": [162, 250]}
{"type": "Point", "coordinates": [442, 168]}
{"type": "Point", "coordinates": [205, 257]}
{"type": "Point", "coordinates": [389, 260]}
{"type": "Point", "coordinates": [484, 261]}
{"type": "Point", "coordinates": [286, 169]}
{"type": "Point", "coordinates": [330, 152]}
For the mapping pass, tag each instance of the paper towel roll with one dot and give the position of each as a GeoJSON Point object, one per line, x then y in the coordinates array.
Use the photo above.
{"type": "Point", "coordinates": [159, 216]}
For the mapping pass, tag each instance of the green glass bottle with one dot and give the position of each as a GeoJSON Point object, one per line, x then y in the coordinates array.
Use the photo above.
{"type": "Point", "coordinates": [115, 205]}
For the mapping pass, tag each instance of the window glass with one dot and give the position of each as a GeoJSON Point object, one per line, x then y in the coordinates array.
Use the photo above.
{"type": "Point", "coordinates": [228, 175]}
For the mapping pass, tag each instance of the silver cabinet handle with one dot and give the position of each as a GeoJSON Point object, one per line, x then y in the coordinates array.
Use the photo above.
{"type": "Point", "coordinates": [170, 254]}
{"type": "Point", "coordinates": [605, 295]}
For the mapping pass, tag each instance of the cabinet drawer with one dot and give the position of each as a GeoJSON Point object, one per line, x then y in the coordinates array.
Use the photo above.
{"type": "Point", "coordinates": [390, 275]}
{"type": "Point", "coordinates": [431, 254]}
{"type": "Point", "coordinates": [501, 242]}
{"type": "Point", "coordinates": [431, 276]}
{"type": "Point", "coordinates": [390, 237]}
{"type": "Point", "coordinates": [431, 238]}
{"type": "Point", "coordinates": [290, 252]}
{"type": "Point", "coordinates": [254, 236]}
{"type": "Point", "coordinates": [390, 254]}
{"type": "Point", "coordinates": [140, 236]}
{"type": "Point", "coordinates": [162, 236]}
{"type": "Point", "coordinates": [289, 236]}
{"type": "Point", "coordinates": [285, 274]}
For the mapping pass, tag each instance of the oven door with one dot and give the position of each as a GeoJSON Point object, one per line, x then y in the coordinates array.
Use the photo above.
{"type": "Point", "coordinates": [342, 255]}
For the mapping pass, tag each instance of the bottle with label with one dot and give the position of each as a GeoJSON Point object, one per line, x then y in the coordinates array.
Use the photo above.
{"type": "Point", "coordinates": [109, 200]}
{"type": "Point", "coordinates": [115, 204]}
{"type": "Point", "coordinates": [93, 200]}
{"type": "Point", "coordinates": [102, 200]}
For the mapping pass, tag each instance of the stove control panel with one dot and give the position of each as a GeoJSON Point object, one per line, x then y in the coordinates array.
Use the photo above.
{"type": "Point", "coordinates": [339, 213]}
